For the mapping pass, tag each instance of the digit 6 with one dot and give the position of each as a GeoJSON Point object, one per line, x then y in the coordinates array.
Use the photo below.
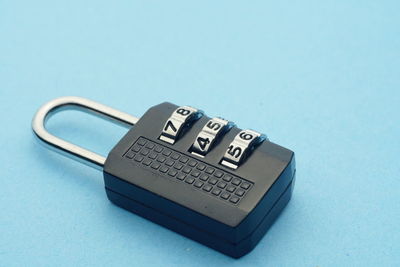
{"type": "Point", "coordinates": [246, 136]}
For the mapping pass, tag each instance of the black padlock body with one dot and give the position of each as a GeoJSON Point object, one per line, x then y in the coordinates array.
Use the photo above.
{"type": "Point", "coordinates": [231, 228]}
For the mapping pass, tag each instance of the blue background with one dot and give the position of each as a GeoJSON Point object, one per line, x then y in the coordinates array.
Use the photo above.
{"type": "Point", "coordinates": [319, 77]}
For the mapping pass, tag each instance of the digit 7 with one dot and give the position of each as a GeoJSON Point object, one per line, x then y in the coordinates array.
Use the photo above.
{"type": "Point", "coordinates": [171, 125]}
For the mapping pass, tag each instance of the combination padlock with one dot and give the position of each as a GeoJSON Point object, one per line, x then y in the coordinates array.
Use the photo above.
{"type": "Point", "coordinates": [199, 176]}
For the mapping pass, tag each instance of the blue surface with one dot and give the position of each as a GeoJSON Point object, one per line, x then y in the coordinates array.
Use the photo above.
{"type": "Point", "coordinates": [319, 77]}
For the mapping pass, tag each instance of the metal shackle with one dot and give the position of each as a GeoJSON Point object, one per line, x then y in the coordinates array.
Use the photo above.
{"type": "Point", "coordinates": [82, 104]}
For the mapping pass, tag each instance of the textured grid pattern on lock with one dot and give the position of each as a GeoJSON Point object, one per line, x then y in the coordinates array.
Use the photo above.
{"type": "Point", "coordinates": [175, 165]}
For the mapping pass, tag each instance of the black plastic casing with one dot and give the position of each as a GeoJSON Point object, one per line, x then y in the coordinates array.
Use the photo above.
{"type": "Point", "coordinates": [233, 229]}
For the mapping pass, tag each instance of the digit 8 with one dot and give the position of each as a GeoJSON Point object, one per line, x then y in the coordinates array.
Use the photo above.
{"type": "Point", "coordinates": [183, 112]}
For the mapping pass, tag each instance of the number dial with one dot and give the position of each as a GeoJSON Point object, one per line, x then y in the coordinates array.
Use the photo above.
{"type": "Point", "coordinates": [209, 135]}
{"type": "Point", "coordinates": [182, 118]}
{"type": "Point", "coordinates": [243, 143]}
